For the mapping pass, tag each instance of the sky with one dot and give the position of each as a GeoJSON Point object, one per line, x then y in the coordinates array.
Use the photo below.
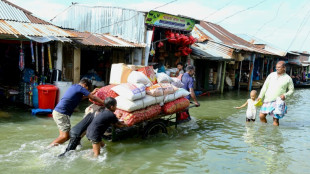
{"type": "Point", "coordinates": [283, 24]}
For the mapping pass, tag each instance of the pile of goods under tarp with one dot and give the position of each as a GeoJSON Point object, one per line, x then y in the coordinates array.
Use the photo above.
{"type": "Point", "coordinates": [142, 95]}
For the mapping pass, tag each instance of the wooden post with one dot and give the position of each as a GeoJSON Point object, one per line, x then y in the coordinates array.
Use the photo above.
{"type": "Point", "coordinates": [268, 61]}
{"type": "Point", "coordinates": [251, 73]}
{"type": "Point", "coordinates": [59, 56]}
{"type": "Point", "coordinates": [240, 74]}
{"type": "Point", "coordinates": [223, 77]}
{"type": "Point", "coordinates": [262, 71]}
{"type": "Point", "coordinates": [76, 65]}
{"type": "Point", "coordinates": [219, 75]}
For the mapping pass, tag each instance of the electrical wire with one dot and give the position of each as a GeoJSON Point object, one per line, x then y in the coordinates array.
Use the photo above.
{"type": "Point", "coordinates": [304, 21]}
{"type": "Point", "coordinates": [269, 20]}
{"type": "Point", "coordinates": [241, 11]}
{"type": "Point", "coordinates": [290, 18]}
{"type": "Point", "coordinates": [218, 10]}
{"type": "Point", "coordinates": [302, 45]}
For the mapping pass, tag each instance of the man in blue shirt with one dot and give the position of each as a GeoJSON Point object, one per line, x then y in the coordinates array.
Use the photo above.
{"type": "Point", "coordinates": [188, 81]}
{"type": "Point", "coordinates": [66, 106]}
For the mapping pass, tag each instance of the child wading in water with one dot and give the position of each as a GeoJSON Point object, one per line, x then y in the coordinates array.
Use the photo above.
{"type": "Point", "coordinates": [251, 111]}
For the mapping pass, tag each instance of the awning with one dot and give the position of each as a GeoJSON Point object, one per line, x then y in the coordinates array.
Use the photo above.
{"type": "Point", "coordinates": [104, 40]}
{"type": "Point", "coordinates": [212, 51]}
{"type": "Point", "coordinates": [48, 39]}
{"type": "Point", "coordinates": [36, 32]}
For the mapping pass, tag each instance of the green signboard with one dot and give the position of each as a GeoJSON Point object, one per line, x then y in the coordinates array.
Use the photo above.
{"type": "Point", "coordinates": [169, 21]}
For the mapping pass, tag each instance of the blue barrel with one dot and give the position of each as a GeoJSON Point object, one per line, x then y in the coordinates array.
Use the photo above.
{"type": "Point", "coordinates": [35, 98]}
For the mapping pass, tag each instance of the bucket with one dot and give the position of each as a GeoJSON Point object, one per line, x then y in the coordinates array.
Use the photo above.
{"type": "Point", "coordinates": [47, 96]}
{"type": "Point", "coordinates": [62, 88]}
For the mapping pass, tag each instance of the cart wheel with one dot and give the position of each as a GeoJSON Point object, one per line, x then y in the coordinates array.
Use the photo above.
{"type": "Point", "coordinates": [154, 128]}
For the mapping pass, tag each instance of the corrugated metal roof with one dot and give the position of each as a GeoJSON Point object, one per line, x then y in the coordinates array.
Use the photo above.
{"type": "Point", "coordinates": [104, 40]}
{"type": "Point", "coordinates": [12, 12]}
{"type": "Point", "coordinates": [31, 29]}
{"type": "Point", "coordinates": [212, 51]}
{"type": "Point", "coordinates": [267, 46]}
{"type": "Point", "coordinates": [9, 12]}
{"type": "Point", "coordinates": [125, 23]}
{"type": "Point", "coordinates": [218, 34]}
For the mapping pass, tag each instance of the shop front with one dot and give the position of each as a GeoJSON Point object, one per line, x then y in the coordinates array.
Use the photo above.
{"type": "Point", "coordinates": [168, 41]}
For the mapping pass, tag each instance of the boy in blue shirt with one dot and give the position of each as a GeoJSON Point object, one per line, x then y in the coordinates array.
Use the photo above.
{"type": "Point", "coordinates": [66, 106]}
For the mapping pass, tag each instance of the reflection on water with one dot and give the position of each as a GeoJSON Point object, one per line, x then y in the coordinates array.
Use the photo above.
{"type": "Point", "coordinates": [217, 140]}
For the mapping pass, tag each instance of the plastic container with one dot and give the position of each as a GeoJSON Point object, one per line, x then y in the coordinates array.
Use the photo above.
{"type": "Point", "coordinates": [47, 96]}
{"type": "Point", "coordinates": [35, 98]}
{"type": "Point", "coordinates": [62, 88]}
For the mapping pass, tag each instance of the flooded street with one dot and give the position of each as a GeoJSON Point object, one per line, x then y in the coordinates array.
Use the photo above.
{"type": "Point", "coordinates": [217, 140]}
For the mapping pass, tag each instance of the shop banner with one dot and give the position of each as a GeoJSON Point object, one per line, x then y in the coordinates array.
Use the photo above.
{"type": "Point", "coordinates": [159, 19]}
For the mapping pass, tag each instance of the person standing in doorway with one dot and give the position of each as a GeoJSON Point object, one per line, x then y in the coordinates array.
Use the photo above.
{"type": "Point", "coordinates": [66, 106]}
{"type": "Point", "coordinates": [179, 69]}
{"type": "Point", "coordinates": [277, 84]}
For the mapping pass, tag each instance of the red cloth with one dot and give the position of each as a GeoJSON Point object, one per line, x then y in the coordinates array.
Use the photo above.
{"type": "Point", "coordinates": [104, 92]}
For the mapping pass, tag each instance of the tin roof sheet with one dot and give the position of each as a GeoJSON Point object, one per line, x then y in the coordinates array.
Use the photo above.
{"type": "Point", "coordinates": [104, 40]}
{"type": "Point", "coordinates": [218, 34]}
{"type": "Point", "coordinates": [125, 23]}
{"type": "Point", "coordinates": [12, 12]}
{"type": "Point", "coordinates": [212, 51]}
{"type": "Point", "coordinates": [31, 29]}
{"type": "Point", "coordinates": [9, 12]}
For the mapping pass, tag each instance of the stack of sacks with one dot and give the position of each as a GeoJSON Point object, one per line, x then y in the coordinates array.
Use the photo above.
{"type": "Point", "coordinates": [175, 106]}
{"type": "Point", "coordinates": [105, 92]}
{"type": "Point", "coordinates": [131, 118]}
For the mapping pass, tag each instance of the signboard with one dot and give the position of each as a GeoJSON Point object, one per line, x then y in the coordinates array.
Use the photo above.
{"type": "Point", "coordinates": [169, 21]}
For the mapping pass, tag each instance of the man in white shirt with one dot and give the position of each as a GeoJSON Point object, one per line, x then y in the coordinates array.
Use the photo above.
{"type": "Point", "coordinates": [277, 84]}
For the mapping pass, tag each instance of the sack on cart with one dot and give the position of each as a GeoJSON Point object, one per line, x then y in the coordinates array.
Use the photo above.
{"type": "Point", "coordinates": [105, 92]}
{"type": "Point", "coordinates": [131, 118]}
{"type": "Point", "coordinates": [130, 91]}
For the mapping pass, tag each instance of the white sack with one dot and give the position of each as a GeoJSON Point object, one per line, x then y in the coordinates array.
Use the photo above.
{"type": "Point", "coordinates": [138, 77]}
{"type": "Point", "coordinates": [130, 106]}
{"type": "Point", "coordinates": [178, 94]}
{"type": "Point", "coordinates": [130, 91]}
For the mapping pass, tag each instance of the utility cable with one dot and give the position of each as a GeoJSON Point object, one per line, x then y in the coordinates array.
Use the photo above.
{"type": "Point", "coordinates": [241, 11]}
{"type": "Point", "coordinates": [218, 10]}
{"type": "Point", "coordinates": [304, 21]}
{"type": "Point", "coordinates": [269, 20]}
{"type": "Point", "coordinates": [289, 19]}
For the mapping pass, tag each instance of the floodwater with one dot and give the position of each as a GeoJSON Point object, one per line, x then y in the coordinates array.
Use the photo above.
{"type": "Point", "coordinates": [217, 140]}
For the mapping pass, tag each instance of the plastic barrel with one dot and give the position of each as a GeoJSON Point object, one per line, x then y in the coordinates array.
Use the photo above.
{"type": "Point", "coordinates": [47, 96]}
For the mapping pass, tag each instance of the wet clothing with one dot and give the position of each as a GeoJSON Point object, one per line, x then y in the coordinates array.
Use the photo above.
{"type": "Point", "coordinates": [249, 120]}
{"type": "Point", "coordinates": [71, 99]}
{"type": "Point", "coordinates": [251, 110]}
{"type": "Point", "coordinates": [272, 109]}
{"type": "Point", "coordinates": [188, 82]}
{"type": "Point", "coordinates": [62, 121]}
{"type": "Point", "coordinates": [275, 86]}
{"type": "Point", "coordinates": [99, 125]}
